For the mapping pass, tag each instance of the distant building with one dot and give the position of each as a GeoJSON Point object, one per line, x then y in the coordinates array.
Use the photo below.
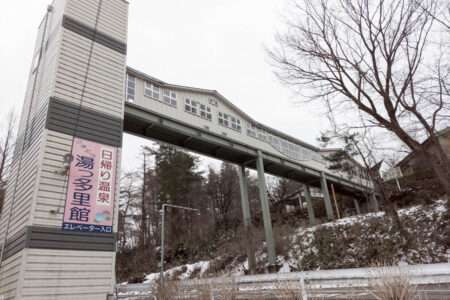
{"type": "Point", "coordinates": [412, 163]}
{"type": "Point", "coordinates": [357, 169]}
{"type": "Point", "coordinates": [299, 196]}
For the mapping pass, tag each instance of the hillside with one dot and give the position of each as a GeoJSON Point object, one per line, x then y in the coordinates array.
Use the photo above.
{"type": "Point", "coordinates": [359, 241]}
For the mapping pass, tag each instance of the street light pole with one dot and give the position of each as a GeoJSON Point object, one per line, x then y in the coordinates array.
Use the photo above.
{"type": "Point", "coordinates": [161, 276]}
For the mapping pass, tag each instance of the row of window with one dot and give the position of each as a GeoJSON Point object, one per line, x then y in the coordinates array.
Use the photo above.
{"type": "Point", "coordinates": [197, 108]}
{"type": "Point", "coordinates": [288, 148]}
{"type": "Point", "coordinates": [154, 91]}
{"type": "Point", "coordinates": [229, 121]}
{"type": "Point", "coordinates": [169, 97]}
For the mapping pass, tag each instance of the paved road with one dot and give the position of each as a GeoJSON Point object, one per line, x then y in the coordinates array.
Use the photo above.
{"type": "Point", "coordinates": [429, 292]}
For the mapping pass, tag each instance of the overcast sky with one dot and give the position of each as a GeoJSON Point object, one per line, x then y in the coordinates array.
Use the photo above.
{"type": "Point", "coordinates": [208, 44]}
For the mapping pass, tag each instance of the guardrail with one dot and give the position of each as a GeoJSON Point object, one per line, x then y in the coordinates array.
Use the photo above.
{"type": "Point", "coordinates": [310, 280]}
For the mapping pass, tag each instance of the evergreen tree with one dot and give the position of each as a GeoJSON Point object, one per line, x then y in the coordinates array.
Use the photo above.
{"type": "Point", "coordinates": [178, 183]}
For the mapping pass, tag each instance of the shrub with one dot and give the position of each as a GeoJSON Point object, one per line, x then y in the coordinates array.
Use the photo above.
{"type": "Point", "coordinates": [392, 284]}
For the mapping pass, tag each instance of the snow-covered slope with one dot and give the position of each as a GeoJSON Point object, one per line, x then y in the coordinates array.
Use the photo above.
{"type": "Point", "coordinates": [353, 242]}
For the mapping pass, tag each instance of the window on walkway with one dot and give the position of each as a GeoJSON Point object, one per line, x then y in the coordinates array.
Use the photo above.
{"type": "Point", "coordinates": [130, 90]}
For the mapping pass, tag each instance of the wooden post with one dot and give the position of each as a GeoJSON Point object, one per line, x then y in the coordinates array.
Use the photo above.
{"type": "Point", "coordinates": [335, 201]}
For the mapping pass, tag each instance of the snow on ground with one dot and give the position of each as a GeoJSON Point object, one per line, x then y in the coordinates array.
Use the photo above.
{"type": "Point", "coordinates": [188, 271]}
{"type": "Point", "coordinates": [302, 240]}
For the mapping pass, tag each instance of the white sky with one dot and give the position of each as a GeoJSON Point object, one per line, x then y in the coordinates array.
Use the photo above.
{"type": "Point", "coordinates": [201, 43]}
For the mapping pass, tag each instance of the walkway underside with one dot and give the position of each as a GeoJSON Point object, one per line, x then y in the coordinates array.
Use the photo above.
{"type": "Point", "coordinates": [147, 124]}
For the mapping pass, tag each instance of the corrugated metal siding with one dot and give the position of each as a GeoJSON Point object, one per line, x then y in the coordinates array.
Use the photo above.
{"type": "Point", "coordinates": [32, 122]}
{"type": "Point", "coordinates": [9, 276]}
{"type": "Point", "coordinates": [35, 128]}
{"type": "Point", "coordinates": [55, 238]}
{"type": "Point", "coordinates": [58, 7]}
{"type": "Point", "coordinates": [43, 76]}
{"type": "Point", "coordinates": [23, 196]}
{"type": "Point", "coordinates": [112, 17]}
{"type": "Point", "coordinates": [15, 243]}
{"type": "Point", "coordinates": [61, 274]}
{"type": "Point", "coordinates": [65, 117]}
{"type": "Point", "coordinates": [103, 89]}
{"type": "Point", "coordinates": [96, 36]}
{"type": "Point", "coordinates": [52, 190]}
{"type": "Point", "coordinates": [102, 95]}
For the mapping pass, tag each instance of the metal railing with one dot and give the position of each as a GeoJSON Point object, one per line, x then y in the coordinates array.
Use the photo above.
{"type": "Point", "coordinates": [306, 281]}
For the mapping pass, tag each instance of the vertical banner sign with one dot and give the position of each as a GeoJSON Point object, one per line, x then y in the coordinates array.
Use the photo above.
{"type": "Point", "coordinates": [90, 188]}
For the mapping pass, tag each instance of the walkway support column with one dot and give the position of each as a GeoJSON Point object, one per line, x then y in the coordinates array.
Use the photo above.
{"type": "Point", "coordinates": [375, 203]}
{"type": "Point", "coordinates": [246, 219]}
{"type": "Point", "coordinates": [309, 205]}
{"type": "Point", "coordinates": [358, 210]}
{"type": "Point", "coordinates": [300, 201]}
{"type": "Point", "coordinates": [326, 196]}
{"type": "Point", "coordinates": [266, 212]}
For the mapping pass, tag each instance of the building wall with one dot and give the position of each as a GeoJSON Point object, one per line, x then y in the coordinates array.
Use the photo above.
{"type": "Point", "coordinates": [444, 140]}
{"type": "Point", "coordinates": [77, 90]}
{"type": "Point", "coordinates": [103, 90]}
{"type": "Point", "coordinates": [58, 274]}
{"type": "Point", "coordinates": [413, 163]}
{"type": "Point", "coordinates": [179, 113]}
{"type": "Point", "coordinates": [10, 275]}
{"type": "Point", "coordinates": [25, 164]}
{"type": "Point", "coordinates": [32, 123]}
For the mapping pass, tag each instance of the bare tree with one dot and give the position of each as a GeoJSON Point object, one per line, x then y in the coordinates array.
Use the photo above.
{"type": "Point", "coordinates": [143, 232]}
{"type": "Point", "coordinates": [223, 190]}
{"type": "Point", "coordinates": [280, 188]}
{"type": "Point", "coordinates": [213, 193]}
{"type": "Point", "coordinates": [362, 144]}
{"type": "Point", "coordinates": [386, 61]}
{"type": "Point", "coordinates": [6, 149]}
{"type": "Point", "coordinates": [129, 196]}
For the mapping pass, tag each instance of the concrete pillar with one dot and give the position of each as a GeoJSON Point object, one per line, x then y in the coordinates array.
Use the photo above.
{"type": "Point", "coordinates": [266, 211]}
{"type": "Point", "coordinates": [246, 219]}
{"type": "Point", "coordinates": [326, 197]}
{"type": "Point", "coordinates": [300, 201]}
{"type": "Point", "coordinates": [374, 203]}
{"type": "Point", "coordinates": [309, 205]}
{"type": "Point", "coordinates": [358, 210]}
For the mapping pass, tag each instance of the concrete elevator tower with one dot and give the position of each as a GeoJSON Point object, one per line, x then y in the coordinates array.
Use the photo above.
{"type": "Point", "coordinates": [59, 222]}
